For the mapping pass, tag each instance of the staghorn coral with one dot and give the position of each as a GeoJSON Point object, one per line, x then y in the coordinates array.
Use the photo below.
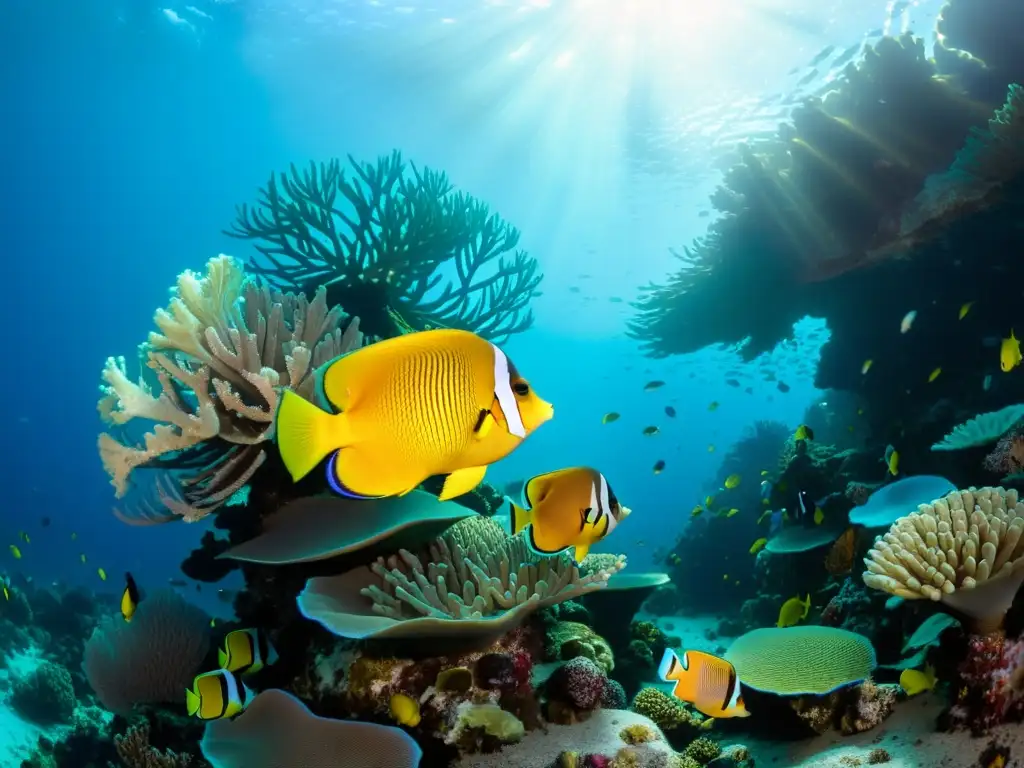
{"type": "Point", "coordinates": [474, 570]}
{"type": "Point", "coordinates": [380, 240]}
{"type": "Point", "coordinates": [226, 345]}
{"type": "Point", "coordinates": [135, 751]}
{"type": "Point", "coordinates": [964, 550]}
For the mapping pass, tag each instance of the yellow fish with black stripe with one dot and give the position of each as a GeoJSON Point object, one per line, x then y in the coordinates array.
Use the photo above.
{"type": "Point", "coordinates": [129, 598]}
{"type": "Point", "coordinates": [246, 652]}
{"type": "Point", "coordinates": [439, 402]}
{"type": "Point", "coordinates": [572, 507]}
{"type": "Point", "coordinates": [215, 695]}
{"type": "Point", "coordinates": [707, 682]}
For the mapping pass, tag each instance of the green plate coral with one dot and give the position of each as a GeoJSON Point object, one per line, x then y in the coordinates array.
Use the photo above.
{"type": "Point", "coordinates": [799, 661]}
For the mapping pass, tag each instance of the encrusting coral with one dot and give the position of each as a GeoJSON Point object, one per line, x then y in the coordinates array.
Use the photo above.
{"type": "Point", "coordinates": [226, 345]}
{"type": "Point", "coordinates": [964, 550]}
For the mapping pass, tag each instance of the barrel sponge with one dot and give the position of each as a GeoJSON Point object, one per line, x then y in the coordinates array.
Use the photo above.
{"type": "Point", "coordinates": [279, 730]}
{"type": "Point", "coordinates": [964, 550]}
{"type": "Point", "coordinates": [151, 660]}
{"type": "Point", "coordinates": [800, 661]}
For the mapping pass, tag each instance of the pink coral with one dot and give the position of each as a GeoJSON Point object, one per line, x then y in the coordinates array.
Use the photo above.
{"type": "Point", "coordinates": [1008, 455]}
{"type": "Point", "coordinates": [580, 682]}
{"type": "Point", "coordinates": [991, 684]}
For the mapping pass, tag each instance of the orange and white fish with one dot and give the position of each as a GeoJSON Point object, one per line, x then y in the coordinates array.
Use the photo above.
{"type": "Point", "coordinates": [438, 402]}
{"type": "Point", "coordinates": [707, 682]}
{"type": "Point", "coordinates": [572, 507]}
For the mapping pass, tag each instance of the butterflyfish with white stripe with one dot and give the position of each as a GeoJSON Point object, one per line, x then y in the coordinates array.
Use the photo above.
{"type": "Point", "coordinates": [572, 507]}
{"type": "Point", "coordinates": [215, 695]}
{"type": "Point", "coordinates": [707, 682]}
{"type": "Point", "coordinates": [246, 652]}
{"type": "Point", "coordinates": [437, 402]}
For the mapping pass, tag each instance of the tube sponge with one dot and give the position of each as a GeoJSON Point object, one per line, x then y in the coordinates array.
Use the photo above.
{"type": "Point", "coordinates": [964, 550]}
{"type": "Point", "coordinates": [278, 730]}
{"type": "Point", "coordinates": [799, 661]}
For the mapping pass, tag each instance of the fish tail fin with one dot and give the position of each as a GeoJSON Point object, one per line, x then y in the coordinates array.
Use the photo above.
{"type": "Point", "coordinates": [306, 434]}
{"type": "Point", "coordinates": [191, 702]}
{"type": "Point", "coordinates": [670, 669]}
{"type": "Point", "coordinates": [222, 659]}
{"type": "Point", "coordinates": [520, 517]}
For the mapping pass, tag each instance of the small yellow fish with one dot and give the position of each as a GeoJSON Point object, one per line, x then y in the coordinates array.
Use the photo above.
{"type": "Point", "coordinates": [965, 309]}
{"type": "Point", "coordinates": [708, 724]}
{"type": "Point", "coordinates": [908, 321]}
{"type": "Point", "coordinates": [867, 366]}
{"type": "Point", "coordinates": [570, 508]}
{"type": "Point", "coordinates": [245, 652]}
{"type": "Point", "coordinates": [74, 536]}
{"type": "Point", "coordinates": [934, 375]}
{"type": "Point", "coordinates": [713, 406]}
{"type": "Point", "coordinates": [860, 411]}
{"type": "Point", "coordinates": [1009, 353]}
{"type": "Point", "coordinates": [764, 473]}
{"type": "Point", "coordinates": [732, 512]}
{"type": "Point", "coordinates": [213, 622]}
{"type": "Point", "coordinates": [102, 574]}
{"type": "Point", "coordinates": [708, 501]}
{"type": "Point", "coordinates": [7, 595]}
{"type": "Point", "coordinates": [215, 695]}
{"type": "Point", "coordinates": [652, 430]}
{"type": "Point", "coordinates": [24, 537]}
{"type": "Point", "coordinates": [818, 515]}
{"type": "Point", "coordinates": [15, 551]}
{"type": "Point", "coordinates": [711, 448]}
{"type": "Point", "coordinates": [129, 598]}
{"type": "Point", "coordinates": [675, 559]}
{"type": "Point", "coordinates": [697, 511]}
{"type": "Point", "coordinates": [764, 514]}
{"type": "Point", "coordinates": [83, 557]}
{"type": "Point", "coordinates": [758, 545]}
{"type": "Point", "coordinates": [732, 481]}
{"type": "Point", "coordinates": [656, 384]}
{"type": "Point", "coordinates": [608, 418]}
{"type": "Point", "coordinates": [793, 611]}
{"type": "Point", "coordinates": [725, 577]}
{"type": "Point", "coordinates": [438, 402]}
{"type": "Point", "coordinates": [707, 682]}
{"type": "Point", "coordinates": [894, 463]}
{"type": "Point", "coordinates": [803, 432]}
{"type": "Point", "coordinates": [405, 710]}
{"type": "Point", "coordinates": [914, 681]}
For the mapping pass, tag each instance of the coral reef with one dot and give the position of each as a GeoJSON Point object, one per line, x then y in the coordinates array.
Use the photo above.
{"type": "Point", "coordinates": [226, 345]}
{"type": "Point", "coordinates": [851, 710]}
{"type": "Point", "coordinates": [381, 237]}
{"type": "Point", "coordinates": [45, 695]}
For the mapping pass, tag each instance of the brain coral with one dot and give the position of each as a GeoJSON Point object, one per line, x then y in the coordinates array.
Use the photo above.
{"type": "Point", "coordinates": [964, 550]}
{"type": "Point", "coordinates": [795, 661]}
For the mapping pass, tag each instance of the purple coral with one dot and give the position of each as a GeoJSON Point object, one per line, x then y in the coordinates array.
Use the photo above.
{"type": "Point", "coordinates": [580, 682]}
{"type": "Point", "coordinates": [614, 695]}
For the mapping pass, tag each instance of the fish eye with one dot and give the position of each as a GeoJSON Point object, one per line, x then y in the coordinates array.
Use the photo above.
{"type": "Point", "coordinates": [521, 388]}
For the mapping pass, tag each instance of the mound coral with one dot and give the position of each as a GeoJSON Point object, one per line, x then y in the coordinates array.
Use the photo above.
{"type": "Point", "coordinates": [569, 639]}
{"type": "Point", "coordinates": [667, 712]}
{"type": "Point", "coordinates": [153, 659]}
{"type": "Point", "coordinates": [226, 345]}
{"type": "Point", "coordinates": [45, 695]}
{"type": "Point", "coordinates": [964, 550]}
{"type": "Point", "coordinates": [801, 660]}
{"type": "Point", "coordinates": [380, 240]}
{"type": "Point", "coordinates": [473, 581]}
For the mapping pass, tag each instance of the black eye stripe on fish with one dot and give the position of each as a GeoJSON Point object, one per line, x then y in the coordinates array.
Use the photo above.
{"type": "Point", "coordinates": [583, 518]}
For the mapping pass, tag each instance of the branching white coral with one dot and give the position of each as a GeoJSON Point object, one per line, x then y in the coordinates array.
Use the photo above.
{"type": "Point", "coordinates": [475, 569]}
{"type": "Point", "coordinates": [226, 345]}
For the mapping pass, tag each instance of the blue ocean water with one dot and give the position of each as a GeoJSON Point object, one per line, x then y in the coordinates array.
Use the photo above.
{"type": "Point", "coordinates": [132, 129]}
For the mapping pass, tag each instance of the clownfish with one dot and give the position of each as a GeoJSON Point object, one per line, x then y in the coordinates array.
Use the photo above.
{"type": "Point", "coordinates": [129, 598]}
{"type": "Point", "coordinates": [215, 695]}
{"type": "Point", "coordinates": [245, 652]}
{"type": "Point", "coordinates": [568, 508]}
{"type": "Point", "coordinates": [437, 402]}
{"type": "Point", "coordinates": [707, 682]}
